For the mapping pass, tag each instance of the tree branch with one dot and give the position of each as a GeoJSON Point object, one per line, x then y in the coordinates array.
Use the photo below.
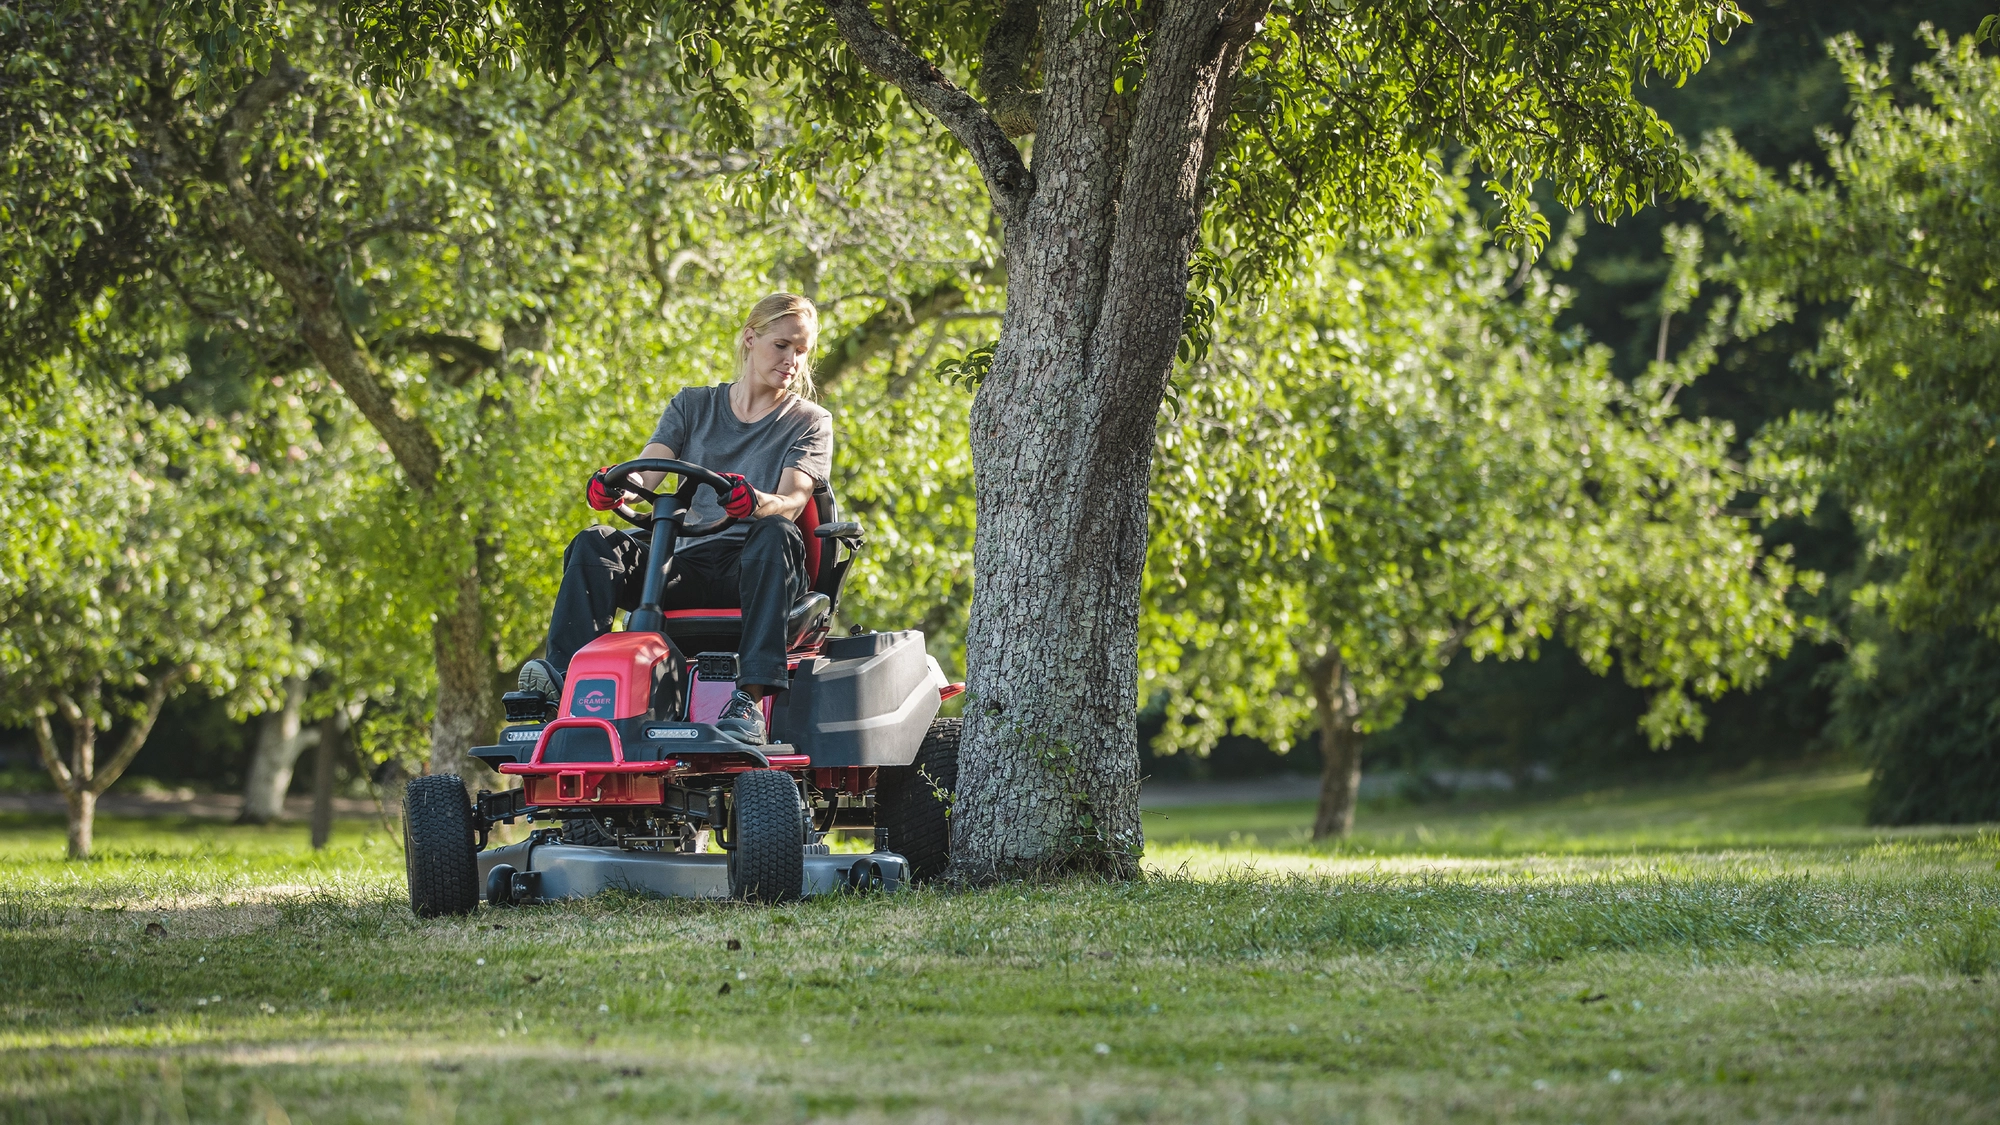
{"type": "Point", "coordinates": [156, 698]}
{"type": "Point", "coordinates": [880, 332]}
{"type": "Point", "coordinates": [257, 227]}
{"type": "Point", "coordinates": [1007, 177]}
{"type": "Point", "coordinates": [252, 103]}
{"type": "Point", "coordinates": [462, 357]}
{"type": "Point", "coordinates": [45, 741]}
{"type": "Point", "coordinates": [1006, 66]}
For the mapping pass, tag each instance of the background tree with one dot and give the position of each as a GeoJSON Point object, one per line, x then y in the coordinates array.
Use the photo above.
{"type": "Point", "coordinates": [1407, 459]}
{"type": "Point", "coordinates": [1888, 260]}
{"type": "Point", "coordinates": [1776, 89]}
{"type": "Point", "coordinates": [1901, 238]}
{"type": "Point", "coordinates": [531, 275]}
{"type": "Point", "coordinates": [127, 578]}
{"type": "Point", "coordinates": [1158, 128]}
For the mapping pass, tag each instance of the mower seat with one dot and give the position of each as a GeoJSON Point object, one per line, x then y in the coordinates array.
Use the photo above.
{"type": "Point", "coordinates": [717, 630]}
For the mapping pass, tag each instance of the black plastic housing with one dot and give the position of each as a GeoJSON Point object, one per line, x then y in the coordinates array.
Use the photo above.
{"type": "Point", "coordinates": [868, 701]}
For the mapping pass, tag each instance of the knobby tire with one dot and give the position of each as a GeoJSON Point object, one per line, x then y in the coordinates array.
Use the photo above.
{"type": "Point", "coordinates": [908, 808]}
{"type": "Point", "coordinates": [443, 866]}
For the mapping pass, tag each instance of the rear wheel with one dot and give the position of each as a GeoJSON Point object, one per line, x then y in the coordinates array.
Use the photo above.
{"type": "Point", "coordinates": [911, 804]}
{"type": "Point", "coordinates": [588, 832]}
{"type": "Point", "coordinates": [768, 863]}
{"type": "Point", "coordinates": [441, 861]}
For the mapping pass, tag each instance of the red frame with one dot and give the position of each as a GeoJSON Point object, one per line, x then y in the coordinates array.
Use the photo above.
{"type": "Point", "coordinates": [632, 783]}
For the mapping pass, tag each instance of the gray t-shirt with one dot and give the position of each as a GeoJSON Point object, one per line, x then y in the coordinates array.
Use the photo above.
{"type": "Point", "coordinates": [699, 426]}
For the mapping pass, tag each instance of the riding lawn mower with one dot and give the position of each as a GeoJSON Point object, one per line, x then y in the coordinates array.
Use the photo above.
{"type": "Point", "coordinates": [625, 777]}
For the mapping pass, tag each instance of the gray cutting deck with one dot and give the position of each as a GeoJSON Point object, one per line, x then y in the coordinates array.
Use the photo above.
{"type": "Point", "coordinates": [573, 871]}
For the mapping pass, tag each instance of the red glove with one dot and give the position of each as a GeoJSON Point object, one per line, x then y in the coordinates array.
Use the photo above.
{"type": "Point", "coordinates": [741, 500]}
{"type": "Point", "coordinates": [602, 497]}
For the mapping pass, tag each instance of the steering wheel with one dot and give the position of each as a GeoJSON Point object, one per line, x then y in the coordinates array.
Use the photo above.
{"type": "Point", "coordinates": [692, 477]}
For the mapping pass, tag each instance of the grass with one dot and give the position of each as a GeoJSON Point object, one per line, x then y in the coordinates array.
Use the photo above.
{"type": "Point", "coordinates": [1799, 808]}
{"type": "Point", "coordinates": [1742, 952]}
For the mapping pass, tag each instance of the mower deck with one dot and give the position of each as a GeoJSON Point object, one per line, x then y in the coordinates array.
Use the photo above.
{"type": "Point", "coordinates": [558, 871]}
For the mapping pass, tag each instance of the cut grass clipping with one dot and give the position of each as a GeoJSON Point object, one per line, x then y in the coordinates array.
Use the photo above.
{"type": "Point", "coordinates": [197, 973]}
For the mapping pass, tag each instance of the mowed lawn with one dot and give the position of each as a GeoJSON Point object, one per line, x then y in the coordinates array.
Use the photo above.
{"type": "Point", "coordinates": [1745, 951]}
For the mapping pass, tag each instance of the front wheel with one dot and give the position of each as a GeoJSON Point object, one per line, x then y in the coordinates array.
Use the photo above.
{"type": "Point", "coordinates": [768, 863]}
{"type": "Point", "coordinates": [912, 804]}
{"type": "Point", "coordinates": [442, 863]}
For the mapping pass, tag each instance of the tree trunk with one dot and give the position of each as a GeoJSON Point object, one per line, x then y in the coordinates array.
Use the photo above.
{"type": "Point", "coordinates": [468, 710]}
{"type": "Point", "coordinates": [332, 739]}
{"type": "Point", "coordinates": [276, 753]}
{"type": "Point", "coordinates": [1062, 443]}
{"type": "Point", "coordinates": [1339, 746]}
{"type": "Point", "coordinates": [82, 808]}
{"type": "Point", "coordinates": [81, 779]}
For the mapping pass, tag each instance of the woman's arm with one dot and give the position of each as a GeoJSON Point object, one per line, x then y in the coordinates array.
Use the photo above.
{"type": "Point", "coordinates": [651, 481]}
{"type": "Point", "coordinates": [791, 498]}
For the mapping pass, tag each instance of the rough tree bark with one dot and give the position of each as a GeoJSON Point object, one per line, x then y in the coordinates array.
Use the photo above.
{"type": "Point", "coordinates": [81, 779]}
{"type": "Point", "coordinates": [1339, 745]}
{"type": "Point", "coordinates": [467, 706]}
{"type": "Point", "coordinates": [280, 741]}
{"type": "Point", "coordinates": [1099, 235]}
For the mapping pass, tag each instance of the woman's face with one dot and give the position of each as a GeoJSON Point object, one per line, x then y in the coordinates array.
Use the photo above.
{"type": "Point", "coordinates": [778, 355]}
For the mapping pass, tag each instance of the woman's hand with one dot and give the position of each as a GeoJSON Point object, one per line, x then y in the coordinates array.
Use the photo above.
{"type": "Point", "coordinates": [741, 500]}
{"type": "Point", "coordinates": [601, 496]}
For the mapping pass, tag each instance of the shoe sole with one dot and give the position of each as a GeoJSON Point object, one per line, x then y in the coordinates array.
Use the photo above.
{"type": "Point", "coordinates": [533, 678]}
{"type": "Point", "coordinates": [740, 738]}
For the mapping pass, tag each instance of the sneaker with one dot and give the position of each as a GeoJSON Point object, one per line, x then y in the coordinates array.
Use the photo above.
{"type": "Point", "coordinates": [742, 719]}
{"type": "Point", "coordinates": [541, 676]}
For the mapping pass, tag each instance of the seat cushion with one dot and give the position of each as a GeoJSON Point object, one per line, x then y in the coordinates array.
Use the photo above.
{"type": "Point", "coordinates": [718, 630]}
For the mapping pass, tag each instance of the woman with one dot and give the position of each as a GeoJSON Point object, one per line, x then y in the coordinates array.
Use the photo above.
{"type": "Point", "coordinates": [773, 444]}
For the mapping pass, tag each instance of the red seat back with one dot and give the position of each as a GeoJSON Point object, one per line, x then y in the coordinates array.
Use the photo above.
{"type": "Point", "coordinates": [809, 518]}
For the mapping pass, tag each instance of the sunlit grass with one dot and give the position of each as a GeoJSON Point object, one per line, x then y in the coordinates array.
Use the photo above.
{"type": "Point", "coordinates": [1809, 808]}
{"type": "Point", "coordinates": [1778, 967]}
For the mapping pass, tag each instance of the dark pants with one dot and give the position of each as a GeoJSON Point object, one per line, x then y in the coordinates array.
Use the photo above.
{"type": "Point", "coordinates": [763, 574]}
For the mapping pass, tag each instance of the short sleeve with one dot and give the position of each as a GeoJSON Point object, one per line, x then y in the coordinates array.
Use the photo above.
{"type": "Point", "coordinates": [812, 451]}
{"type": "Point", "coordinates": [672, 431]}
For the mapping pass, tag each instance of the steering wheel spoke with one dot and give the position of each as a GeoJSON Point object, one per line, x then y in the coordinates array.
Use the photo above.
{"type": "Point", "coordinates": [692, 477]}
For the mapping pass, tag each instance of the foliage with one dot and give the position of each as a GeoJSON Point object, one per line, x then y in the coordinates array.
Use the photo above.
{"type": "Point", "coordinates": [1405, 458]}
{"type": "Point", "coordinates": [529, 272]}
{"type": "Point", "coordinates": [1337, 113]}
{"type": "Point", "coordinates": [125, 555]}
{"type": "Point", "coordinates": [1923, 709]}
{"type": "Point", "coordinates": [132, 569]}
{"type": "Point", "coordinates": [1899, 239]}
{"type": "Point", "coordinates": [1775, 89]}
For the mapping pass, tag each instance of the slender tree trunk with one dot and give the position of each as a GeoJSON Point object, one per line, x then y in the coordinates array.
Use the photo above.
{"type": "Point", "coordinates": [82, 808]}
{"type": "Point", "coordinates": [81, 779]}
{"type": "Point", "coordinates": [74, 777]}
{"type": "Point", "coordinates": [1339, 747]}
{"type": "Point", "coordinates": [279, 743]}
{"type": "Point", "coordinates": [332, 739]}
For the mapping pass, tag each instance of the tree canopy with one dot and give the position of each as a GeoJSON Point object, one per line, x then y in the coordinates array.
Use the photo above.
{"type": "Point", "coordinates": [1404, 458]}
{"type": "Point", "coordinates": [1898, 241]}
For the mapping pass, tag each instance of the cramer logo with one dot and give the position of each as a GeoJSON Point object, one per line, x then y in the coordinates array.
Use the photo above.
{"type": "Point", "coordinates": [594, 698]}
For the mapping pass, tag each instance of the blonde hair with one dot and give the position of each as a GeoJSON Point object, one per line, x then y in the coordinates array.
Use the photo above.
{"type": "Point", "coordinates": [769, 311]}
